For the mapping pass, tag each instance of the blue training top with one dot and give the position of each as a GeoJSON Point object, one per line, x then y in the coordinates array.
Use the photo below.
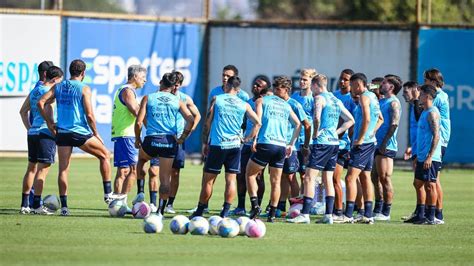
{"type": "Point", "coordinates": [308, 106]}
{"type": "Point", "coordinates": [385, 108]}
{"type": "Point", "coordinates": [38, 124]}
{"type": "Point", "coordinates": [180, 122]}
{"type": "Point", "coordinates": [162, 111]}
{"type": "Point", "coordinates": [424, 137]}
{"type": "Point", "coordinates": [374, 111]}
{"type": "Point", "coordinates": [243, 95]}
{"type": "Point", "coordinates": [346, 99]}
{"type": "Point", "coordinates": [275, 119]}
{"type": "Point", "coordinates": [249, 124]}
{"type": "Point", "coordinates": [329, 120]}
{"type": "Point", "coordinates": [70, 109]}
{"type": "Point", "coordinates": [442, 103]}
{"type": "Point", "coordinates": [413, 129]}
{"type": "Point", "coordinates": [300, 113]}
{"type": "Point", "coordinates": [229, 112]}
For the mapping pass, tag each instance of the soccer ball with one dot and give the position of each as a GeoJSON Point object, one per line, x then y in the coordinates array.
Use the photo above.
{"type": "Point", "coordinates": [153, 224]}
{"type": "Point", "coordinates": [117, 208]}
{"type": "Point", "coordinates": [255, 228]}
{"type": "Point", "coordinates": [179, 225]}
{"type": "Point", "coordinates": [198, 226]}
{"type": "Point", "coordinates": [141, 210]}
{"type": "Point", "coordinates": [295, 210]}
{"type": "Point", "coordinates": [242, 221]}
{"type": "Point", "coordinates": [51, 202]}
{"type": "Point", "coordinates": [228, 227]}
{"type": "Point", "coordinates": [214, 224]}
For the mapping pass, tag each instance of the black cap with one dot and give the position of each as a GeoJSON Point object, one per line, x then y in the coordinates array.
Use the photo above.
{"type": "Point", "coordinates": [44, 66]}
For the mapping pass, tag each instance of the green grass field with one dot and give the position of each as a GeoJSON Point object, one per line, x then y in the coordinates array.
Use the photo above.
{"type": "Point", "coordinates": [90, 236]}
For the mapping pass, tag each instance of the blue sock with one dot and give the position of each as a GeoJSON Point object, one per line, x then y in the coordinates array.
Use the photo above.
{"type": "Point", "coordinates": [225, 210]}
{"type": "Point", "coordinates": [338, 212]}
{"type": "Point", "coordinates": [140, 185]}
{"type": "Point", "coordinates": [107, 187]}
{"type": "Point", "coordinates": [25, 200]}
{"type": "Point", "coordinates": [431, 213]}
{"type": "Point", "coordinates": [307, 202]}
{"type": "Point", "coordinates": [329, 204]}
{"type": "Point", "coordinates": [368, 209]}
{"type": "Point", "coordinates": [162, 205]}
{"type": "Point", "coordinates": [153, 197]}
{"type": "Point", "coordinates": [361, 212]}
{"type": "Point", "coordinates": [63, 201]}
{"type": "Point", "coordinates": [378, 206]}
{"type": "Point", "coordinates": [420, 211]}
{"type": "Point", "coordinates": [349, 209]}
{"type": "Point", "coordinates": [200, 209]}
{"type": "Point", "coordinates": [386, 209]}
{"type": "Point", "coordinates": [439, 214]}
{"type": "Point", "coordinates": [31, 196]}
{"type": "Point", "coordinates": [36, 202]}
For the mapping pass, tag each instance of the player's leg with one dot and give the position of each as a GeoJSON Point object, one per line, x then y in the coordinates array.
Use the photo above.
{"type": "Point", "coordinates": [351, 192]}
{"type": "Point", "coordinates": [241, 181]}
{"type": "Point", "coordinates": [178, 164]}
{"type": "Point", "coordinates": [120, 176]}
{"type": "Point", "coordinates": [153, 180]}
{"type": "Point", "coordinates": [47, 151]}
{"type": "Point", "coordinates": [359, 202]}
{"type": "Point", "coordinates": [330, 194]}
{"type": "Point", "coordinates": [166, 165]}
{"type": "Point", "coordinates": [368, 194]}
{"type": "Point", "coordinates": [285, 190]}
{"type": "Point", "coordinates": [252, 171]}
{"type": "Point", "coordinates": [338, 192]}
{"type": "Point", "coordinates": [64, 158]}
{"type": "Point", "coordinates": [232, 167]}
{"type": "Point", "coordinates": [30, 173]}
{"type": "Point", "coordinates": [385, 170]}
{"type": "Point", "coordinates": [129, 180]}
{"type": "Point", "coordinates": [275, 180]}
{"type": "Point", "coordinates": [375, 174]}
{"type": "Point", "coordinates": [261, 186]}
{"type": "Point", "coordinates": [308, 195]}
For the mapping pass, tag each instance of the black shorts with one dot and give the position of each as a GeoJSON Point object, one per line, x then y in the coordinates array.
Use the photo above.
{"type": "Point", "coordinates": [388, 153]}
{"type": "Point", "coordinates": [343, 158]}
{"type": "Point", "coordinates": [302, 164]}
{"type": "Point", "coordinates": [160, 146]}
{"type": "Point", "coordinates": [273, 155]}
{"type": "Point", "coordinates": [72, 139]}
{"type": "Point", "coordinates": [178, 162]}
{"type": "Point", "coordinates": [427, 175]}
{"type": "Point", "coordinates": [323, 157]}
{"type": "Point", "coordinates": [41, 148]}
{"type": "Point", "coordinates": [245, 154]}
{"type": "Point", "coordinates": [217, 157]}
{"type": "Point", "coordinates": [362, 156]}
{"type": "Point", "coordinates": [291, 164]}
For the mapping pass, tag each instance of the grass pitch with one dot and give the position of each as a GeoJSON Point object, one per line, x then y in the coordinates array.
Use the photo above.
{"type": "Point", "coordinates": [90, 236]}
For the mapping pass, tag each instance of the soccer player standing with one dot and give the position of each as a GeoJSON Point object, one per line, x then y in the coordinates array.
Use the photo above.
{"type": "Point", "coordinates": [227, 72]}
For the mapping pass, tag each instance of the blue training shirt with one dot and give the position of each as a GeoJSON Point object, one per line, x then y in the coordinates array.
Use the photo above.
{"type": "Point", "coordinates": [275, 119]}
{"type": "Point", "coordinates": [329, 120]}
{"type": "Point", "coordinates": [442, 103]}
{"type": "Point", "coordinates": [424, 137]}
{"type": "Point", "coordinates": [38, 124]}
{"type": "Point", "coordinates": [349, 104]}
{"type": "Point", "coordinates": [249, 124]}
{"type": "Point", "coordinates": [385, 108]}
{"type": "Point", "coordinates": [413, 129]}
{"type": "Point", "coordinates": [300, 113]}
{"type": "Point", "coordinates": [308, 106]}
{"type": "Point", "coordinates": [374, 111]}
{"type": "Point", "coordinates": [243, 95]}
{"type": "Point", "coordinates": [180, 122]}
{"type": "Point", "coordinates": [162, 111]}
{"type": "Point", "coordinates": [70, 110]}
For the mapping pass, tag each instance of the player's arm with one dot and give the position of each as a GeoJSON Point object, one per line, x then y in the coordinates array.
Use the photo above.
{"type": "Point", "coordinates": [47, 99]}
{"type": "Point", "coordinates": [257, 122]}
{"type": "Point", "coordinates": [347, 118]}
{"type": "Point", "coordinates": [394, 121]}
{"type": "Point", "coordinates": [87, 104]}
{"type": "Point", "coordinates": [139, 122]}
{"type": "Point", "coordinates": [306, 125]}
{"type": "Point", "coordinates": [365, 108]}
{"type": "Point", "coordinates": [259, 112]}
{"type": "Point", "coordinates": [188, 116]}
{"type": "Point", "coordinates": [24, 111]}
{"type": "Point", "coordinates": [195, 112]}
{"type": "Point", "coordinates": [319, 103]}
{"type": "Point", "coordinates": [433, 120]}
{"type": "Point", "coordinates": [130, 101]}
{"type": "Point", "coordinates": [295, 121]}
{"type": "Point", "coordinates": [206, 128]}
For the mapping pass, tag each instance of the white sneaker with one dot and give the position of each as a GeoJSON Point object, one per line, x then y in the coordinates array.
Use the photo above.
{"type": "Point", "coordinates": [153, 208]}
{"type": "Point", "coordinates": [206, 210]}
{"type": "Point", "coordinates": [64, 211]}
{"type": "Point", "coordinates": [338, 219]}
{"type": "Point", "coordinates": [381, 217]}
{"type": "Point", "coordinates": [358, 218]}
{"type": "Point", "coordinates": [43, 211]}
{"type": "Point", "coordinates": [345, 220]}
{"type": "Point", "coordinates": [138, 198]}
{"type": "Point", "coordinates": [169, 209]}
{"type": "Point", "coordinates": [300, 219]}
{"type": "Point", "coordinates": [108, 198]}
{"type": "Point", "coordinates": [438, 221]}
{"type": "Point", "coordinates": [408, 217]}
{"type": "Point", "coordinates": [25, 210]}
{"type": "Point", "coordinates": [327, 219]}
{"type": "Point", "coordinates": [366, 220]}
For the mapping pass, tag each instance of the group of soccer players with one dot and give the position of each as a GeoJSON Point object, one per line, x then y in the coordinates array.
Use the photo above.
{"type": "Point", "coordinates": [309, 131]}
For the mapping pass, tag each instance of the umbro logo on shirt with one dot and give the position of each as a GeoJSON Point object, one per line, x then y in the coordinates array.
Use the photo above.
{"type": "Point", "coordinates": [164, 99]}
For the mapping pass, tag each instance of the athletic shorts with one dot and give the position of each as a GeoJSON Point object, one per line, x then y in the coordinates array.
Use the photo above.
{"type": "Point", "coordinates": [323, 157]}
{"type": "Point", "coordinates": [160, 146]}
{"type": "Point", "coordinates": [178, 162]}
{"type": "Point", "coordinates": [72, 139]}
{"type": "Point", "coordinates": [125, 153]}
{"type": "Point", "coordinates": [302, 165]}
{"type": "Point", "coordinates": [245, 154]}
{"type": "Point", "coordinates": [41, 148]}
{"type": "Point", "coordinates": [388, 153]}
{"type": "Point", "coordinates": [427, 175]}
{"type": "Point", "coordinates": [291, 164]}
{"type": "Point", "coordinates": [343, 158]}
{"type": "Point", "coordinates": [217, 157]}
{"type": "Point", "coordinates": [270, 154]}
{"type": "Point", "coordinates": [362, 156]}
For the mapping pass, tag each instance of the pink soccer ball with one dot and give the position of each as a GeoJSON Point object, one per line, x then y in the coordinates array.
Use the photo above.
{"type": "Point", "coordinates": [141, 210]}
{"type": "Point", "coordinates": [255, 229]}
{"type": "Point", "coordinates": [295, 210]}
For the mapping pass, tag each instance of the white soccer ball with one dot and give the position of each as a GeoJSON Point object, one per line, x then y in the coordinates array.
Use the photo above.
{"type": "Point", "coordinates": [228, 227]}
{"type": "Point", "coordinates": [295, 210]}
{"type": "Point", "coordinates": [141, 210]}
{"type": "Point", "coordinates": [198, 226]}
{"type": "Point", "coordinates": [179, 225]}
{"type": "Point", "coordinates": [153, 224]}
{"type": "Point", "coordinates": [51, 202]}
{"type": "Point", "coordinates": [255, 229]}
{"type": "Point", "coordinates": [117, 208]}
{"type": "Point", "coordinates": [242, 221]}
{"type": "Point", "coordinates": [214, 224]}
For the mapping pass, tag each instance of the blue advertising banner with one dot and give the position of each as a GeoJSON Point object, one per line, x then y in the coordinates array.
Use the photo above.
{"type": "Point", "coordinates": [109, 47]}
{"type": "Point", "coordinates": [452, 52]}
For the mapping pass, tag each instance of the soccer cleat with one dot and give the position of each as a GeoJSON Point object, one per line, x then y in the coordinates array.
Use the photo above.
{"type": "Point", "coordinates": [138, 198]}
{"type": "Point", "coordinates": [278, 214]}
{"type": "Point", "coordinates": [419, 221]}
{"type": "Point", "coordinates": [438, 221]}
{"type": "Point", "coordinates": [42, 210]}
{"type": "Point", "coordinates": [271, 219]}
{"type": "Point", "coordinates": [206, 210]}
{"type": "Point", "coordinates": [338, 219]}
{"type": "Point", "coordinates": [408, 217]}
{"type": "Point", "coordinates": [327, 219]}
{"type": "Point", "coordinates": [238, 212]}
{"type": "Point", "coordinates": [429, 222]}
{"type": "Point", "coordinates": [367, 220]}
{"type": "Point", "coordinates": [64, 211]}
{"type": "Point", "coordinates": [300, 219]}
{"type": "Point", "coordinates": [153, 208]}
{"type": "Point", "coordinates": [381, 217]}
{"type": "Point", "coordinates": [25, 210]}
{"type": "Point", "coordinates": [358, 218]}
{"type": "Point", "coordinates": [169, 209]}
{"type": "Point", "coordinates": [254, 212]}
{"type": "Point", "coordinates": [108, 198]}
{"type": "Point", "coordinates": [345, 220]}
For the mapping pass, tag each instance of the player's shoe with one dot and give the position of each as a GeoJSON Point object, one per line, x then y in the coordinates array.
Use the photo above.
{"type": "Point", "coordinates": [271, 219]}
{"type": "Point", "coordinates": [25, 210]}
{"type": "Point", "coordinates": [64, 211]}
{"type": "Point", "coordinates": [381, 217]}
{"type": "Point", "coordinates": [153, 208]}
{"type": "Point", "coordinates": [345, 220]}
{"type": "Point", "coordinates": [327, 219]}
{"type": "Point", "coordinates": [238, 212]}
{"type": "Point", "coordinates": [366, 220]}
{"type": "Point", "coordinates": [170, 209]}
{"type": "Point", "coordinates": [300, 219]}
{"type": "Point", "coordinates": [318, 208]}
{"type": "Point", "coordinates": [429, 222]}
{"type": "Point", "coordinates": [42, 210]}
{"type": "Point", "coordinates": [278, 214]}
{"type": "Point", "coordinates": [358, 218]}
{"type": "Point", "coordinates": [108, 198]}
{"type": "Point", "coordinates": [140, 197]}
{"type": "Point", "coordinates": [438, 221]}
{"type": "Point", "coordinates": [254, 212]}
{"type": "Point", "coordinates": [206, 210]}
{"type": "Point", "coordinates": [338, 219]}
{"type": "Point", "coordinates": [408, 217]}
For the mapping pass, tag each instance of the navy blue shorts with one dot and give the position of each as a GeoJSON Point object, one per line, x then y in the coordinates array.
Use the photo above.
{"type": "Point", "coordinates": [343, 158]}
{"type": "Point", "coordinates": [388, 153]}
{"type": "Point", "coordinates": [302, 165]}
{"type": "Point", "coordinates": [160, 146]}
{"type": "Point", "coordinates": [178, 162]}
{"type": "Point", "coordinates": [291, 164]}
{"type": "Point", "coordinates": [323, 157]}
{"type": "Point", "coordinates": [125, 153]}
{"type": "Point", "coordinates": [273, 155]}
{"type": "Point", "coordinates": [429, 174]}
{"type": "Point", "coordinates": [71, 139]}
{"type": "Point", "coordinates": [245, 154]}
{"type": "Point", "coordinates": [217, 157]}
{"type": "Point", "coordinates": [41, 148]}
{"type": "Point", "coordinates": [362, 156]}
